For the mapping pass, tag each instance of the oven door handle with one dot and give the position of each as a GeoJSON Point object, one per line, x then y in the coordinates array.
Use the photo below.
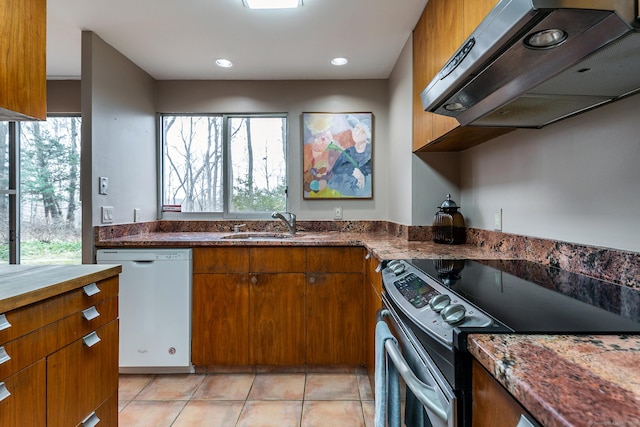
{"type": "Point", "coordinates": [423, 392]}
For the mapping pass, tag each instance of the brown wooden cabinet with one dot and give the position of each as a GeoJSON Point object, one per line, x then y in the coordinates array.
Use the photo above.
{"type": "Point", "coordinates": [23, 78]}
{"type": "Point", "coordinates": [442, 28]}
{"type": "Point", "coordinates": [335, 306]}
{"type": "Point", "coordinates": [492, 405]}
{"type": "Point", "coordinates": [61, 363]}
{"type": "Point", "coordinates": [372, 303]}
{"type": "Point", "coordinates": [264, 305]}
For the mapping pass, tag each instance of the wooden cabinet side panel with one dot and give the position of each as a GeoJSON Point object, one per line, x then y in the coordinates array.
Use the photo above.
{"type": "Point", "coordinates": [372, 303]}
{"type": "Point", "coordinates": [220, 260]}
{"type": "Point", "coordinates": [334, 316]}
{"type": "Point", "coordinates": [474, 12]}
{"type": "Point", "coordinates": [335, 259]}
{"type": "Point", "coordinates": [492, 405]}
{"type": "Point", "coordinates": [26, 406]}
{"type": "Point", "coordinates": [23, 67]}
{"type": "Point", "coordinates": [277, 319]}
{"type": "Point", "coordinates": [422, 120]}
{"type": "Point", "coordinates": [220, 333]}
{"type": "Point", "coordinates": [81, 378]}
{"type": "Point", "coordinates": [268, 259]}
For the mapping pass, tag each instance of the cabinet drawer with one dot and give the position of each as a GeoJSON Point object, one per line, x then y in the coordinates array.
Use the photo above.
{"type": "Point", "coordinates": [29, 318]}
{"type": "Point", "coordinates": [277, 260]}
{"type": "Point", "coordinates": [220, 260]}
{"type": "Point", "coordinates": [335, 259]}
{"type": "Point", "coordinates": [107, 413]}
{"type": "Point", "coordinates": [81, 376]}
{"type": "Point", "coordinates": [22, 352]}
{"type": "Point", "coordinates": [83, 322]}
{"type": "Point", "coordinates": [23, 397]}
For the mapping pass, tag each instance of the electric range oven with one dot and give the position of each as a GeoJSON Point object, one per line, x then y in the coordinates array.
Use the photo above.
{"type": "Point", "coordinates": [432, 305]}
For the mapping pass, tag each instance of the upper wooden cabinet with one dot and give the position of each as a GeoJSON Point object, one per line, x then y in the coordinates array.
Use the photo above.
{"type": "Point", "coordinates": [23, 79]}
{"type": "Point", "coordinates": [442, 28]}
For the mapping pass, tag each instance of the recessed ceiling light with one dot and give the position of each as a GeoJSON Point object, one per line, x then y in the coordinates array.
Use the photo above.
{"type": "Point", "coordinates": [339, 61]}
{"type": "Point", "coordinates": [223, 63]}
{"type": "Point", "coordinates": [271, 4]}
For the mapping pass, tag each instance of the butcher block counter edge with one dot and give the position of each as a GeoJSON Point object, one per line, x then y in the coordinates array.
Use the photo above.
{"type": "Point", "coordinates": [21, 285]}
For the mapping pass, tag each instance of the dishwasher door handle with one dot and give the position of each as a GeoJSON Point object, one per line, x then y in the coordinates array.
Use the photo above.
{"type": "Point", "coordinates": [425, 393]}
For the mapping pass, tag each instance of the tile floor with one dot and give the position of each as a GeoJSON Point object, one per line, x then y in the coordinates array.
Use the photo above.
{"type": "Point", "coordinates": [246, 400]}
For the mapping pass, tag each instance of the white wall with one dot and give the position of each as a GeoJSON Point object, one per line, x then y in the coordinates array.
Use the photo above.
{"type": "Point", "coordinates": [575, 181]}
{"type": "Point", "coordinates": [118, 137]}
{"type": "Point", "coordinates": [294, 98]}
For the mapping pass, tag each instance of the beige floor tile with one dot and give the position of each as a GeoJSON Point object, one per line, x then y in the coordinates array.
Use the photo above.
{"type": "Point", "coordinates": [369, 410]}
{"type": "Point", "coordinates": [130, 385]}
{"type": "Point", "coordinates": [224, 387]}
{"type": "Point", "coordinates": [270, 414]}
{"type": "Point", "coordinates": [364, 386]}
{"type": "Point", "coordinates": [331, 387]}
{"type": "Point", "coordinates": [277, 387]}
{"type": "Point", "coordinates": [334, 413]}
{"type": "Point", "coordinates": [209, 413]}
{"type": "Point", "coordinates": [141, 413]}
{"type": "Point", "coordinates": [171, 387]}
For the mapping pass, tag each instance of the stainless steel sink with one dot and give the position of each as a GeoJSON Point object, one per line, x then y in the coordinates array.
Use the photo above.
{"type": "Point", "coordinates": [257, 236]}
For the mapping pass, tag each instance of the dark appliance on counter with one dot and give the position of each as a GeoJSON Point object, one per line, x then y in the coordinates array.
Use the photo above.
{"type": "Point", "coordinates": [448, 224]}
{"type": "Point", "coordinates": [434, 304]}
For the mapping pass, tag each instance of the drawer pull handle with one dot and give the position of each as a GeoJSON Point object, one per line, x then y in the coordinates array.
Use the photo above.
{"type": "Point", "coordinates": [4, 393]}
{"type": "Point", "coordinates": [368, 255]}
{"type": "Point", "coordinates": [91, 289]}
{"type": "Point", "coordinates": [91, 339]}
{"type": "Point", "coordinates": [4, 356]}
{"type": "Point", "coordinates": [90, 313]}
{"type": "Point", "coordinates": [4, 323]}
{"type": "Point", "coordinates": [90, 421]}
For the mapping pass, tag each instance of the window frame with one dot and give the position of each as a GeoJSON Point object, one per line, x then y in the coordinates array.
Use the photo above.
{"type": "Point", "coordinates": [226, 174]}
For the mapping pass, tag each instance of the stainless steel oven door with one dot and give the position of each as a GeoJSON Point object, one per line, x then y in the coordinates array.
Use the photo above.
{"type": "Point", "coordinates": [421, 376]}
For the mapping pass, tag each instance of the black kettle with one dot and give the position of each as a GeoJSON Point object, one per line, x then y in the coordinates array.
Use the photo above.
{"type": "Point", "coordinates": [448, 224]}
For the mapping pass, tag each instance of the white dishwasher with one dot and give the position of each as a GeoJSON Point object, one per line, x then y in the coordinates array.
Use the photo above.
{"type": "Point", "coordinates": [154, 308]}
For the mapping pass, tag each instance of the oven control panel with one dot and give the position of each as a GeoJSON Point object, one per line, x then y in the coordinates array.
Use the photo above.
{"type": "Point", "coordinates": [433, 307]}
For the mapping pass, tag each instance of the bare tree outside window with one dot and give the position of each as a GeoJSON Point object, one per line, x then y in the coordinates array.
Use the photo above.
{"type": "Point", "coordinates": [193, 163]}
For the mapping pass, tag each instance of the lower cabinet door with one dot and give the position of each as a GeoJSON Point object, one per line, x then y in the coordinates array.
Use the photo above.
{"type": "Point", "coordinates": [82, 376]}
{"type": "Point", "coordinates": [22, 397]}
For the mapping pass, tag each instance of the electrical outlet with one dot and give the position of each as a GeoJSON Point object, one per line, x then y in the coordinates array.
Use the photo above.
{"type": "Point", "coordinates": [107, 214]}
{"type": "Point", "coordinates": [136, 215]}
{"type": "Point", "coordinates": [103, 187]}
{"type": "Point", "coordinates": [337, 212]}
{"type": "Point", "coordinates": [497, 220]}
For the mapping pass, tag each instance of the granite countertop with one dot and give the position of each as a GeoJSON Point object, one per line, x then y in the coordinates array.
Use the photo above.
{"type": "Point", "coordinates": [21, 285]}
{"type": "Point", "coordinates": [562, 380]}
{"type": "Point", "coordinates": [381, 244]}
{"type": "Point", "coordinates": [566, 380]}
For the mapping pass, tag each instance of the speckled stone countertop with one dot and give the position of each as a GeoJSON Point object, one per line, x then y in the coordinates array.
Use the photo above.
{"type": "Point", "coordinates": [561, 380]}
{"type": "Point", "coordinates": [565, 380]}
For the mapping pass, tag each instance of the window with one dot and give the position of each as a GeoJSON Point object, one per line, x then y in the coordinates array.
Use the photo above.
{"type": "Point", "coordinates": [45, 226]}
{"type": "Point", "coordinates": [230, 165]}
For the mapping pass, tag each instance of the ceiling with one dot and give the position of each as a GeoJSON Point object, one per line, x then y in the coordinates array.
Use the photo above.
{"type": "Point", "coordinates": [181, 39]}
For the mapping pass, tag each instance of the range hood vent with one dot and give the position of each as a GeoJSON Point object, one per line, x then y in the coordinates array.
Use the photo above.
{"type": "Point", "coordinates": [499, 79]}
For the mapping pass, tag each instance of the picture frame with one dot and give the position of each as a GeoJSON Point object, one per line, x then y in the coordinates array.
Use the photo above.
{"type": "Point", "coordinates": [337, 155]}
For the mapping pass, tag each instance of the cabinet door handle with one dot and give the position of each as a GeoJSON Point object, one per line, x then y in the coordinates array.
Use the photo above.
{"type": "Point", "coordinates": [312, 280]}
{"type": "Point", "coordinates": [91, 289]}
{"type": "Point", "coordinates": [379, 268]}
{"type": "Point", "coordinates": [90, 313]}
{"type": "Point", "coordinates": [4, 323]}
{"type": "Point", "coordinates": [91, 339]}
{"type": "Point", "coordinates": [4, 393]}
{"type": "Point", "coordinates": [254, 280]}
{"type": "Point", "coordinates": [90, 421]}
{"type": "Point", "coordinates": [4, 356]}
{"type": "Point", "coordinates": [368, 255]}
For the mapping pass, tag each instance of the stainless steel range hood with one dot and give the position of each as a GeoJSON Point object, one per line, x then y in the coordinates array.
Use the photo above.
{"type": "Point", "coordinates": [501, 77]}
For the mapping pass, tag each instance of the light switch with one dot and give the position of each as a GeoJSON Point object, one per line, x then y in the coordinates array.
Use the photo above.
{"type": "Point", "coordinates": [107, 214]}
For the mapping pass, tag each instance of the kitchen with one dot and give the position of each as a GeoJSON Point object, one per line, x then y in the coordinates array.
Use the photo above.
{"type": "Point", "coordinates": [574, 181]}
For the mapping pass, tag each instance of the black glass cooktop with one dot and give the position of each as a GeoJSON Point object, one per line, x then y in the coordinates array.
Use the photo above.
{"type": "Point", "coordinates": [533, 298]}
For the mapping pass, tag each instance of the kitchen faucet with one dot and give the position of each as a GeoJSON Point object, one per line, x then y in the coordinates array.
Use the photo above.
{"type": "Point", "coordinates": [290, 221]}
